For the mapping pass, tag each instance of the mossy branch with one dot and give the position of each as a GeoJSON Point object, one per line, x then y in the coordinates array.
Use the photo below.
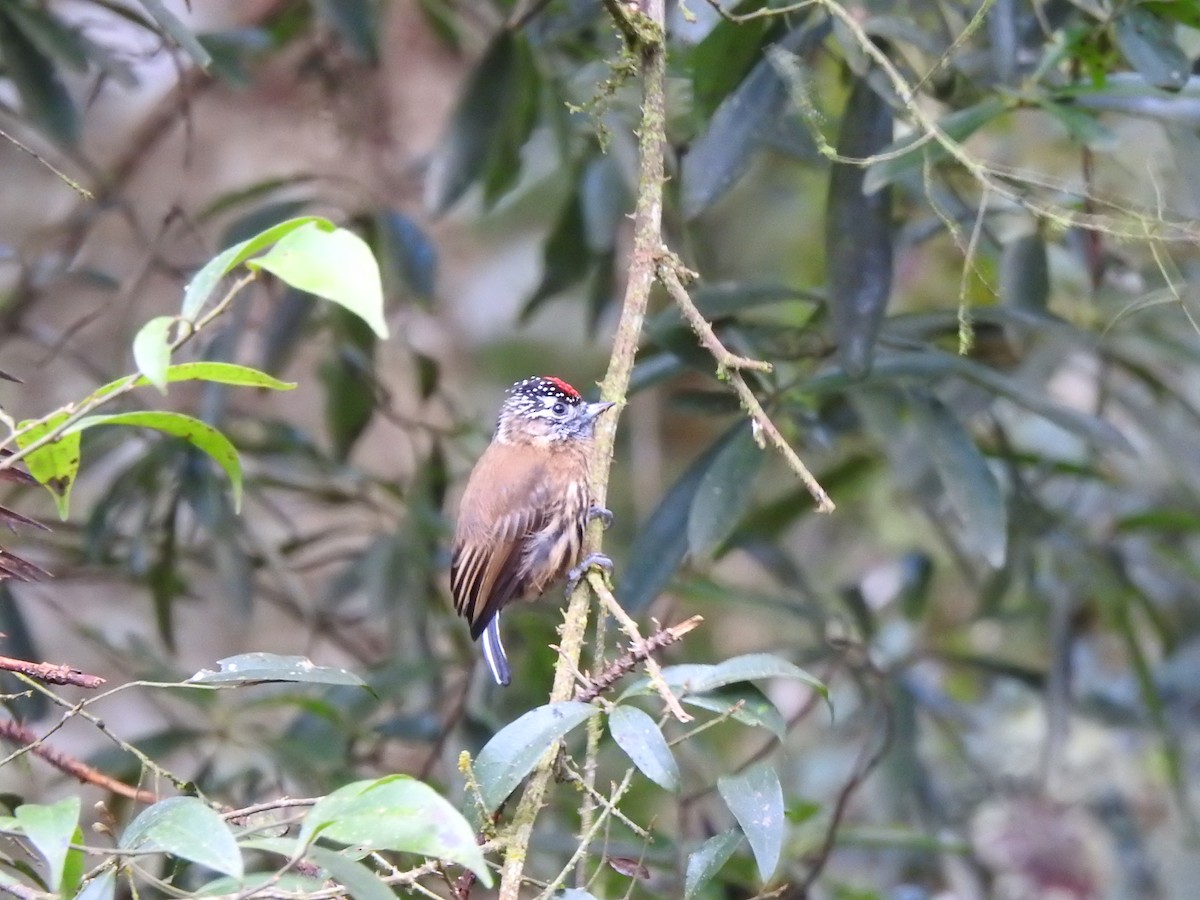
{"type": "Point", "coordinates": [647, 244]}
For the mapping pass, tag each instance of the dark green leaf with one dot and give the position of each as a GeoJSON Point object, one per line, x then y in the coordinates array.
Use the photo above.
{"type": "Point", "coordinates": [642, 740]}
{"type": "Point", "coordinates": [52, 37]}
{"type": "Point", "coordinates": [708, 859]}
{"type": "Point", "coordinates": [756, 800]}
{"type": "Point", "coordinates": [1025, 274]}
{"type": "Point", "coordinates": [565, 258]}
{"type": "Point", "coordinates": [257, 668]}
{"type": "Point", "coordinates": [408, 252]}
{"type": "Point", "coordinates": [755, 709]}
{"type": "Point", "coordinates": [970, 486]}
{"type": "Point", "coordinates": [44, 100]}
{"type": "Point", "coordinates": [476, 125]}
{"type": "Point", "coordinates": [179, 32]}
{"type": "Point", "coordinates": [858, 232]}
{"type": "Point", "coordinates": [700, 679]}
{"type": "Point", "coordinates": [355, 21]}
{"type": "Point", "coordinates": [722, 153]}
{"type": "Point", "coordinates": [724, 492]}
{"type": "Point", "coordinates": [721, 61]}
{"type": "Point", "coordinates": [662, 541]}
{"type": "Point", "coordinates": [51, 829]}
{"type": "Point", "coordinates": [604, 202]}
{"type": "Point", "coordinates": [360, 882]}
{"type": "Point", "coordinates": [186, 828]}
{"type": "Point", "coordinates": [513, 751]}
{"type": "Point", "coordinates": [1148, 43]}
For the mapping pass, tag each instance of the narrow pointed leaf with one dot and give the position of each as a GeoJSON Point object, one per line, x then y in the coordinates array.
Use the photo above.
{"type": "Point", "coordinates": [1146, 40]}
{"type": "Point", "coordinates": [755, 709]}
{"type": "Point", "coordinates": [690, 678]}
{"type": "Point", "coordinates": [970, 486]}
{"type": "Point", "coordinates": [513, 751]}
{"type": "Point", "coordinates": [756, 800]}
{"type": "Point", "coordinates": [102, 887]}
{"type": "Point", "coordinates": [643, 742]}
{"type": "Point", "coordinates": [256, 668]}
{"type": "Point", "coordinates": [185, 827]}
{"type": "Point", "coordinates": [398, 813]}
{"type": "Point", "coordinates": [858, 232]}
{"type": "Point", "coordinates": [152, 350]}
{"type": "Point", "coordinates": [199, 434]}
{"type": "Point", "coordinates": [335, 264]}
{"type": "Point", "coordinates": [663, 541]}
{"type": "Point", "coordinates": [50, 830]}
{"type": "Point", "coordinates": [217, 372]}
{"type": "Point", "coordinates": [180, 33]}
{"type": "Point", "coordinates": [45, 101]}
{"type": "Point", "coordinates": [724, 493]}
{"type": "Point", "coordinates": [1025, 274]}
{"type": "Point", "coordinates": [708, 859]}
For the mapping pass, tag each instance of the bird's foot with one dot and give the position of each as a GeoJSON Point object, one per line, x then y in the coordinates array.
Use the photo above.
{"type": "Point", "coordinates": [599, 512]}
{"type": "Point", "coordinates": [576, 574]}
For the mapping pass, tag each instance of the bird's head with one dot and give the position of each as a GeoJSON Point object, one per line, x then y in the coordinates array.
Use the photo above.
{"type": "Point", "coordinates": [546, 410]}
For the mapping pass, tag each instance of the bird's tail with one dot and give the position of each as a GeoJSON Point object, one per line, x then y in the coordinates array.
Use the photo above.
{"type": "Point", "coordinates": [493, 652]}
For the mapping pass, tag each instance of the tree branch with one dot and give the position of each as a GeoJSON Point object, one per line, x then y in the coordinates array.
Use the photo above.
{"type": "Point", "coordinates": [18, 734]}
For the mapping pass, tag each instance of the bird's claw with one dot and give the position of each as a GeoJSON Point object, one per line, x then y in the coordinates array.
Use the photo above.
{"type": "Point", "coordinates": [592, 559]}
{"type": "Point", "coordinates": [599, 512]}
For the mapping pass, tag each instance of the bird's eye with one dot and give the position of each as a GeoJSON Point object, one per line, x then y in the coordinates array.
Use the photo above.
{"type": "Point", "coordinates": [559, 409]}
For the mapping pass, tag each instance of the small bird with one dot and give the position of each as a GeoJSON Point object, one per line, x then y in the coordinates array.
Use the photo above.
{"type": "Point", "coordinates": [523, 513]}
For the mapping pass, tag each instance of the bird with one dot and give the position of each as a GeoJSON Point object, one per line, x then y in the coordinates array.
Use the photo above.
{"type": "Point", "coordinates": [523, 512]}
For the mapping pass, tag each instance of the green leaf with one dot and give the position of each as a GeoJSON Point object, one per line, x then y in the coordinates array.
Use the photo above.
{"type": "Point", "coordinates": [516, 748]}
{"type": "Point", "coordinates": [54, 465]}
{"type": "Point", "coordinates": [256, 668]}
{"type": "Point", "coordinates": [199, 434]}
{"type": "Point", "coordinates": [691, 678]}
{"type": "Point", "coordinates": [186, 828]}
{"type": "Point", "coordinates": [200, 288]}
{"type": "Point", "coordinates": [565, 257]}
{"type": "Point", "coordinates": [396, 813]}
{"type": "Point", "coordinates": [356, 22]}
{"type": "Point", "coordinates": [361, 882]}
{"type": "Point", "coordinates": [858, 232]}
{"type": "Point", "coordinates": [720, 62]}
{"type": "Point", "coordinates": [102, 887]}
{"type": "Point", "coordinates": [1148, 43]}
{"type": "Point", "coordinates": [332, 263]}
{"type": "Point", "coordinates": [756, 800]}
{"type": "Point", "coordinates": [1025, 274]}
{"type": "Point", "coordinates": [958, 126]}
{"type": "Point", "coordinates": [44, 99]}
{"type": "Point", "coordinates": [152, 350]}
{"type": "Point", "coordinates": [217, 372]}
{"type": "Point", "coordinates": [970, 486]}
{"type": "Point", "coordinates": [724, 492]}
{"type": "Point", "coordinates": [643, 742]}
{"type": "Point", "coordinates": [179, 32]}
{"type": "Point", "coordinates": [50, 829]}
{"type": "Point", "coordinates": [662, 542]}
{"type": "Point", "coordinates": [474, 134]}
{"type": "Point", "coordinates": [722, 153]}
{"type": "Point", "coordinates": [50, 35]}
{"type": "Point", "coordinates": [406, 250]}
{"type": "Point", "coordinates": [707, 860]}
{"type": "Point", "coordinates": [756, 710]}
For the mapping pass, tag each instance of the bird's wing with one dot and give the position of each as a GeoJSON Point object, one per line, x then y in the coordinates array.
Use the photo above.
{"type": "Point", "coordinates": [502, 506]}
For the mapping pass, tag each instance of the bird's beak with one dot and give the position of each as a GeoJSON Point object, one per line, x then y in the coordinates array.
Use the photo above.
{"type": "Point", "coordinates": [594, 409]}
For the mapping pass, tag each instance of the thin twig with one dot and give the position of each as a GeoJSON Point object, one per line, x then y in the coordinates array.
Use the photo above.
{"type": "Point", "coordinates": [609, 602]}
{"type": "Point", "coordinates": [729, 365]}
{"type": "Point", "coordinates": [20, 735]}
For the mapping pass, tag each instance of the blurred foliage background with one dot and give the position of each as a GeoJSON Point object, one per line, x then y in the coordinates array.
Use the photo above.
{"type": "Point", "coordinates": [990, 361]}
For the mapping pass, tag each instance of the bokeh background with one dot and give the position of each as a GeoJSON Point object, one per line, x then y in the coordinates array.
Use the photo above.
{"type": "Point", "coordinates": [1003, 604]}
